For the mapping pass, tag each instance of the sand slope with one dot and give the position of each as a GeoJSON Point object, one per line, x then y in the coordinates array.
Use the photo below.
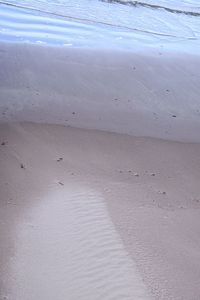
{"type": "Point", "coordinates": [146, 92]}
{"type": "Point", "coordinates": [57, 237]}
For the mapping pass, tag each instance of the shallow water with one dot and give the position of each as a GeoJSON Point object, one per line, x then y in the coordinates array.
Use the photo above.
{"type": "Point", "coordinates": [97, 24]}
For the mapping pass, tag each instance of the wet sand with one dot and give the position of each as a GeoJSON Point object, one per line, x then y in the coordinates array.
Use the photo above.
{"type": "Point", "coordinates": [145, 92]}
{"type": "Point", "coordinates": [94, 215]}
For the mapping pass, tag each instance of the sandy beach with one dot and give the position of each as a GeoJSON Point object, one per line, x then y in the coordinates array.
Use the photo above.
{"type": "Point", "coordinates": [143, 92]}
{"type": "Point", "coordinates": [99, 150]}
{"type": "Point", "coordinates": [94, 215]}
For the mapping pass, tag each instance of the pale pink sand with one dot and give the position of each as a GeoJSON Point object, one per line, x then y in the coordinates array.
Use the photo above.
{"type": "Point", "coordinates": [57, 238]}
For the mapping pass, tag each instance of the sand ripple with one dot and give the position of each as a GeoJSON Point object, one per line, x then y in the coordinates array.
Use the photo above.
{"type": "Point", "coordinates": [67, 248]}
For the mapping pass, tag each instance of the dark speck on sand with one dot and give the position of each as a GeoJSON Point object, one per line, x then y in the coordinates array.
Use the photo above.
{"type": "Point", "coordinates": [59, 159]}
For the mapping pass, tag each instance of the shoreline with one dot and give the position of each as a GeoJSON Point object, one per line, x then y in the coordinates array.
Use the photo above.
{"type": "Point", "coordinates": [99, 158]}
{"type": "Point", "coordinates": [149, 186]}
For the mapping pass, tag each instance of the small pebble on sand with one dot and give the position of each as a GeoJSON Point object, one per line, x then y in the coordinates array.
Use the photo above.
{"type": "Point", "coordinates": [59, 159]}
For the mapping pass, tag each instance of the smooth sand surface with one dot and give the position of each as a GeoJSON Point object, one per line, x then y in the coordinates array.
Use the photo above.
{"type": "Point", "coordinates": [92, 215]}
{"type": "Point", "coordinates": [146, 92]}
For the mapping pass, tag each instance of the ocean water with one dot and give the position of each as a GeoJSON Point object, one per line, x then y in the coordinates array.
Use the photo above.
{"type": "Point", "coordinates": [102, 23]}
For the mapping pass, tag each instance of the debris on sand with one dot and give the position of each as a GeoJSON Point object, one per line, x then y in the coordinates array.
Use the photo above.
{"type": "Point", "coordinates": [22, 166]}
{"type": "Point", "coordinates": [163, 193]}
{"type": "Point", "coordinates": [196, 200]}
{"type": "Point", "coordinates": [59, 182]}
{"type": "Point", "coordinates": [136, 174]}
{"type": "Point", "coordinates": [59, 159]}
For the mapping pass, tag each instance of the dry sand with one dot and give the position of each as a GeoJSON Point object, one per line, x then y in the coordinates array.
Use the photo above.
{"type": "Point", "coordinates": [65, 191]}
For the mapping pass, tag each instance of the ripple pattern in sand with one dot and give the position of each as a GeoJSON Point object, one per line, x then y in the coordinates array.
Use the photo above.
{"type": "Point", "coordinates": [67, 249]}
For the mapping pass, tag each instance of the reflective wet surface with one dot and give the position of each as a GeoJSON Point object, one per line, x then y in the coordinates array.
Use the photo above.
{"type": "Point", "coordinates": [79, 25]}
